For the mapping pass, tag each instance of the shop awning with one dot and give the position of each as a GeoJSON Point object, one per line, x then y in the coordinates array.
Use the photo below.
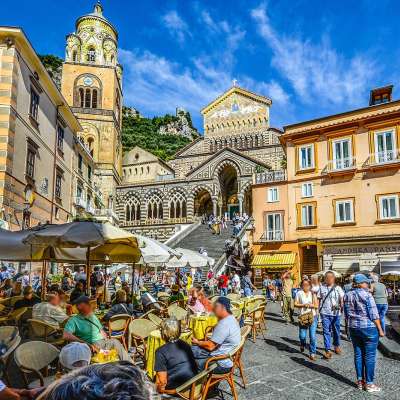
{"type": "Point", "coordinates": [274, 261]}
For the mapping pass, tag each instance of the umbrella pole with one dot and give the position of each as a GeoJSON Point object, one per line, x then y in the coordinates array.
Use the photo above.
{"type": "Point", "coordinates": [133, 279]}
{"type": "Point", "coordinates": [88, 271]}
{"type": "Point", "coordinates": [43, 280]}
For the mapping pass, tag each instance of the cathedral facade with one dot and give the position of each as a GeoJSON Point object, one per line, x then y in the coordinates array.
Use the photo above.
{"type": "Point", "coordinates": [211, 175]}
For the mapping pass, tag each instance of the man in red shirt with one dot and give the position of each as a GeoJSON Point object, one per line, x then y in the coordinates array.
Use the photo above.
{"type": "Point", "coordinates": [223, 285]}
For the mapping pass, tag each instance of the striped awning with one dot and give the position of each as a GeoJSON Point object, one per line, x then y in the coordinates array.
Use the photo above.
{"type": "Point", "coordinates": [274, 261]}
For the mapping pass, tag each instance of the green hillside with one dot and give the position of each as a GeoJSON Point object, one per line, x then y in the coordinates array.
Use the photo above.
{"type": "Point", "coordinates": [143, 132]}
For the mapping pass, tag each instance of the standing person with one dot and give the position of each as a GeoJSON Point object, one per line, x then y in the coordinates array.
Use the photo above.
{"type": "Point", "coordinates": [307, 302]}
{"type": "Point", "coordinates": [365, 329]}
{"type": "Point", "coordinates": [223, 281]}
{"type": "Point", "coordinates": [267, 285]}
{"type": "Point", "coordinates": [315, 283]}
{"type": "Point", "coordinates": [381, 299]}
{"type": "Point", "coordinates": [287, 286]}
{"type": "Point", "coordinates": [99, 281]}
{"type": "Point", "coordinates": [247, 284]}
{"type": "Point", "coordinates": [330, 298]}
{"type": "Point", "coordinates": [118, 282]}
{"type": "Point", "coordinates": [25, 280]}
{"type": "Point", "coordinates": [235, 282]}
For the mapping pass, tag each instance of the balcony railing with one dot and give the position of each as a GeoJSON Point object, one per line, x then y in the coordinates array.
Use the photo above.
{"type": "Point", "coordinates": [106, 213]}
{"type": "Point", "coordinates": [80, 202]}
{"type": "Point", "coordinates": [182, 220]}
{"type": "Point", "coordinates": [384, 158]}
{"type": "Point", "coordinates": [90, 209]}
{"type": "Point", "coordinates": [269, 176]}
{"type": "Point", "coordinates": [340, 165]}
{"type": "Point", "coordinates": [272, 236]}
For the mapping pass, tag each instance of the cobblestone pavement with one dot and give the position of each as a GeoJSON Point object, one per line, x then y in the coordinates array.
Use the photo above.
{"type": "Point", "coordinates": [276, 369]}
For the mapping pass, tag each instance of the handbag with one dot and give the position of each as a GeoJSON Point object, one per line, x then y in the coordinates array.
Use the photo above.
{"type": "Point", "coordinates": [306, 319]}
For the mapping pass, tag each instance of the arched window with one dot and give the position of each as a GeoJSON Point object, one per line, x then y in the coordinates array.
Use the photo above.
{"type": "Point", "coordinates": [81, 97]}
{"type": "Point", "coordinates": [91, 54]}
{"type": "Point", "coordinates": [177, 206]}
{"type": "Point", "coordinates": [132, 210]}
{"type": "Point", "coordinates": [155, 207]}
{"type": "Point", "coordinates": [94, 98]}
{"type": "Point", "coordinates": [74, 56]}
{"type": "Point", "coordinates": [88, 98]}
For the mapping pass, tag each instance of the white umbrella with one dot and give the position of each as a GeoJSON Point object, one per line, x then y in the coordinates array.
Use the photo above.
{"type": "Point", "coordinates": [155, 252]}
{"type": "Point", "coordinates": [191, 258]}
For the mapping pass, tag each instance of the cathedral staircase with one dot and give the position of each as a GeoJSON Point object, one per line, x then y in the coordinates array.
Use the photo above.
{"type": "Point", "coordinates": [203, 237]}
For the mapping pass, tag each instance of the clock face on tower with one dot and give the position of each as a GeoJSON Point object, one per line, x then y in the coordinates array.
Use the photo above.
{"type": "Point", "coordinates": [87, 81]}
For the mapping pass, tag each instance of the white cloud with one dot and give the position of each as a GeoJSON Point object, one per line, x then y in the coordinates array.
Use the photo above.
{"type": "Point", "coordinates": [176, 25]}
{"type": "Point", "coordinates": [316, 71]}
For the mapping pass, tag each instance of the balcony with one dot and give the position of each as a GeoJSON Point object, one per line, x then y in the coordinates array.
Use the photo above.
{"type": "Point", "coordinates": [340, 166]}
{"type": "Point", "coordinates": [272, 236]}
{"type": "Point", "coordinates": [90, 209]}
{"type": "Point", "coordinates": [80, 202]}
{"type": "Point", "coordinates": [383, 159]}
{"type": "Point", "coordinates": [269, 176]}
{"type": "Point", "coordinates": [106, 214]}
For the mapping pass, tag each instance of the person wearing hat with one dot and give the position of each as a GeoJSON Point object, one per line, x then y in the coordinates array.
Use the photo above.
{"type": "Point", "coordinates": [365, 329]}
{"type": "Point", "coordinates": [176, 294]}
{"type": "Point", "coordinates": [75, 355]}
{"type": "Point", "coordinates": [225, 337]}
{"type": "Point", "coordinates": [86, 328]}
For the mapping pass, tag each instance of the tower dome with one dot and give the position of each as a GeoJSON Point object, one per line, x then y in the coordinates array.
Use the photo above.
{"type": "Point", "coordinates": [94, 41]}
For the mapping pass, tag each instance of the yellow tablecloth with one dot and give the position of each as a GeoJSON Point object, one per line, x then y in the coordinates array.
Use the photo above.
{"type": "Point", "coordinates": [105, 357]}
{"type": "Point", "coordinates": [199, 324]}
{"type": "Point", "coordinates": [154, 341]}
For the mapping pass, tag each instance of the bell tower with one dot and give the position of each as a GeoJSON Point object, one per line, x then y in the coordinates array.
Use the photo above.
{"type": "Point", "coordinates": [92, 85]}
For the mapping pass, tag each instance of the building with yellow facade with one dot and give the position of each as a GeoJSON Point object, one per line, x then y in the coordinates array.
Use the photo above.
{"type": "Point", "coordinates": [338, 204]}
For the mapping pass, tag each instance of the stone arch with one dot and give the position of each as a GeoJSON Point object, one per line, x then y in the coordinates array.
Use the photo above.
{"type": "Point", "coordinates": [177, 204]}
{"type": "Point", "coordinates": [201, 196]}
{"type": "Point", "coordinates": [223, 164]}
{"type": "Point", "coordinates": [154, 205]}
{"type": "Point", "coordinates": [90, 137]}
{"type": "Point", "coordinates": [88, 90]}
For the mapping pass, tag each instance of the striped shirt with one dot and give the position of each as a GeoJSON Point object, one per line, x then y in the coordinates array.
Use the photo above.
{"type": "Point", "coordinates": [360, 309]}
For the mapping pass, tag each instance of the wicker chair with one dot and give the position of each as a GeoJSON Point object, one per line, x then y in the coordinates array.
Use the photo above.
{"type": "Point", "coordinates": [14, 317]}
{"type": "Point", "coordinates": [233, 296]}
{"type": "Point", "coordinates": [178, 312]}
{"type": "Point", "coordinates": [139, 330]}
{"type": "Point", "coordinates": [214, 298]}
{"type": "Point", "coordinates": [215, 379]}
{"type": "Point", "coordinates": [237, 313]}
{"type": "Point", "coordinates": [153, 317]}
{"type": "Point", "coordinates": [43, 331]}
{"type": "Point", "coordinates": [14, 299]}
{"type": "Point", "coordinates": [244, 333]}
{"type": "Point", "coordinates": [255, 319]}
{"type": "Point", "coordinates": [193, 389]}
{"type": "Point", "coordinates": [118, 326]}
{"type": "Point", "coordinates": [10, 336]}
{"type": "Point", "coordinates": [35, 358]}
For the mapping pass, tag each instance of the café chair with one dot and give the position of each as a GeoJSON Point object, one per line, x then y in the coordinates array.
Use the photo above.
{"type": "Point", "coordinates": [177, 312]}
{"type": "Point", "coordinates": [14, 317]}
{"type": "Point", "coordinates": [255, 319]}
{"type": "Point", "coordinates": [34, 358]}
{"type": "Point", "coordinates": [138, 332]}
{"type": "Point", "coordinates": [9, 335]}
{"type": "Point", "coordinates": [244, 333]}
{"type": "Point", "coordinates": [43, 331]}
{"type": "Point", "coordinates": [118, 326]}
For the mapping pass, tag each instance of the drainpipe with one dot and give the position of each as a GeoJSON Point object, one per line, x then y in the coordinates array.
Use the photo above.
{"type": "Point", "coordinates": [54, 163]}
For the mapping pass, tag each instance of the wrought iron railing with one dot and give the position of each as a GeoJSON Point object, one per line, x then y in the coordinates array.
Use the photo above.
{"type": "Point", "coordinates": [269, 176]}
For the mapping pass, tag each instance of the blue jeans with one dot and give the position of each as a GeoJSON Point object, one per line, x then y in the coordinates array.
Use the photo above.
{"type": "Point", "coordinates": [312, 330]}
{"type": "Point", "coordinates": [365, 342]}
{"type": "Point", "coordinates": [331, 328]}
{"type": "Point", "coordinates": [382, 310]}
{"type": "Point", "coordinates": [223, 291]}
{"type": "Point", "coordinates": [247, 292]}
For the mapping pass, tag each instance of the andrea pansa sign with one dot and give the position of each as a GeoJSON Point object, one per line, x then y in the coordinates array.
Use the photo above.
{"type": "Point", "coordinates": [389, 248]}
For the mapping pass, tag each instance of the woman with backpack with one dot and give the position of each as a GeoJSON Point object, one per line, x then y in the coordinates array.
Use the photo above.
{"type": "Point", "coordinates": [307, 303]}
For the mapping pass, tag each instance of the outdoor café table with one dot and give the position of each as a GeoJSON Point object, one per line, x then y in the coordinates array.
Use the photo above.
{"type": "Point", "coordinates": [105, 356]}
{"type": "Point", "coordinates": [154, 341]}
{"type": "Point", "coordinates": [199, 324]}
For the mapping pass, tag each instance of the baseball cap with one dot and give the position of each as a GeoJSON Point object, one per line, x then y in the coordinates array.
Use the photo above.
{"type": "Point", "coordinates": [73, 353]}
{"type": "Point", "coordinates": [361, 278]}
{"type": "Point", "coordinates": [81, 299]}
{"type": "Point", "coordinates": [224, 301]}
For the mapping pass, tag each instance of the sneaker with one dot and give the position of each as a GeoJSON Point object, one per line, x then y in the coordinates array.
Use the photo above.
{"type": "Point", "coordinates": [360, 385]}
{"type": "Point", "coordinates": [301, 349]}
{"type": "Point", "coordinates": [372, 388]}
{"type": "Point", "coordinates": [312, 357]}
{"type": "Point", "coordinates": [338, 350]}
{"type": "Point", "coordinates": [327, 355]}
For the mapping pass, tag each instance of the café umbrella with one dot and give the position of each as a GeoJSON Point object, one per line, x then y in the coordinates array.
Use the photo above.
{"type": "Point", "coordinates": [102, 241]}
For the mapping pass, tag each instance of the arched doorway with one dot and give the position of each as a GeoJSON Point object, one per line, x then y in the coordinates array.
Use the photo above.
{"type": "Point", "coordinates": [202, 203]}
{"type": "Point", "coordinates": [228, 181]}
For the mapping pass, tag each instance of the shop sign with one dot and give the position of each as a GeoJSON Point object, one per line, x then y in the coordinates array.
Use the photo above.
{"type": "Point", "coordinates": [394, 248]}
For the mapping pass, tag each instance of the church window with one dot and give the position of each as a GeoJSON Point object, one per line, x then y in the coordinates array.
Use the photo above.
{"type": "Point", "coordinates": [91, 55]}
{"type": "Point", "coordinates": [135, 171]}
{"type": "Point", "coordinates": [148, 169]}
{"type": "Point", "coordinates": [74, 56]}
{"type": "Point", "coordinates": [155, 207]}
{"type": "Point", "coordinates": [141, 170]}
{"type": "Point", "coordinates": [177, 206]}
{"type": "Point", "coordinates": [112, 59]}
{"type": "Point", "coordinates": [87, 98]}
{"type": "Point", "coordinates": [132, 210]}
{"type": "Point", "coordinates": [94, 98]}
{"type": "Point", "coordinates": [81, 97]}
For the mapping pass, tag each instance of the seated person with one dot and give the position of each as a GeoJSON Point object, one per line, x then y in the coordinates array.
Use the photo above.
{"type": "Point", "coordinates": [75, 355]}
{"type": "Point", "coordinates": [78, 291]}
{"type": "Point", "coordinates": [204, 300]}
{"type": "Point", "coordinates": [16, 289]}
{"type": "Point", "coordinates": [225, 337]}
{"type": "Point", "coordinates": [194, 304]}
{"type": "Point", "coordinates": [111, 381]}
{"type": "Point", "coordinates": [174, 361]}
{"type": "Point", "coordinates": [176, 294]}
{"type": "Point", "coordinates": [86, 328]}
{"type": "Point", "coordinates": [29, 300]}
{"type": "Point", "coordinates": [120, 306]}
{"type": "Point", "coordinates": [50, 311]}
{"type": "Point", "coordinates": [7, 393]}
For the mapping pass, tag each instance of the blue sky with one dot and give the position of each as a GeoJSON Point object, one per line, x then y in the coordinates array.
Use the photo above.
{"type": "Point", "coordinates": [312, 58]}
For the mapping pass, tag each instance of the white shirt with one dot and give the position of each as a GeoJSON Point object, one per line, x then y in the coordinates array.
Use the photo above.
{"type": "Point", "coordinates": [236, 281]}
{"type": "Point", "coordinates": [331, 304]}
{"type": "Point", "coordinates": [303, 298]}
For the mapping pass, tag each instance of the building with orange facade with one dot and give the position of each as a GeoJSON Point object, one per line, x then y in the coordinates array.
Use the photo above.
{"type": "Point", "coordinates": [336, 206]}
